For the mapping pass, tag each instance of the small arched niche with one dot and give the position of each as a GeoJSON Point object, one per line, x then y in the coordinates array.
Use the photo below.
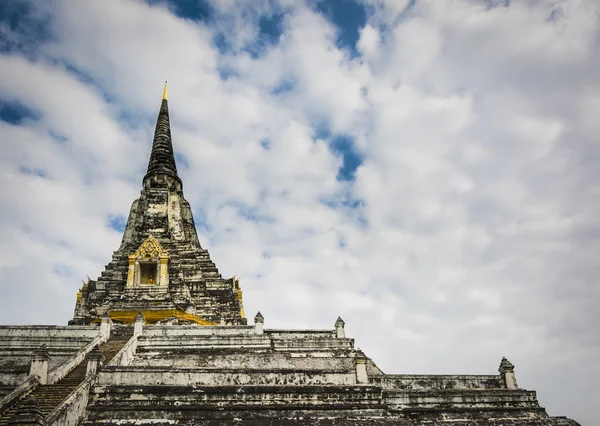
{"type": "Point", "coordinates": [149, 265]}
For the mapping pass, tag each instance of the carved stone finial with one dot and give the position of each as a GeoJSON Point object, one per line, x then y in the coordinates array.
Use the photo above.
{"type": "Point", "coordinates": [360, 354]}
{"type": "Point", "coordinates": [28, 413]}
{"type": "Point", "coordinates": [259, 322]}
{"type": "Point", "coordinates": [507, 373]}
{"type": "Point", "coordinates": [505, 366]}
{"type": "Point", "coordinates": [339, 328]}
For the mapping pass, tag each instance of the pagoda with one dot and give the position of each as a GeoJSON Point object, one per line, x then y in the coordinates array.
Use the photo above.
{"type": "Point", "coordinates": [160, 269]}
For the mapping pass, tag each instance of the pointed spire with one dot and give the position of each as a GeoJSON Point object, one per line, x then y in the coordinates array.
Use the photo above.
{"type": "Point", "coordinates": [162, 159]}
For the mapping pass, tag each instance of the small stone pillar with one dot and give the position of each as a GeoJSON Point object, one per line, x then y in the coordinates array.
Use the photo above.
{"type": "Point", "coordinates": [507, 373]}
{"type": "Point", "coordinates": [105, 325]}
{"type": "Point", "coordinates": [39, 364]}
{"type": "Point", "coordinates": [95, 359]}
{"type": "Point", "coordinates": [131, 271]}
{"type": "Point", "coordinates": [339, 328]}
{"type": "Point", "coordinates": [259, 322]}
{"type": "Point", "coordinates": [28, 414]}
{"type": "Point", "coordinates": [163, 272]}
{"type": "Point", "coordinates": [360, 361]}
{"type": "Point", "coordinates": [138, 323]}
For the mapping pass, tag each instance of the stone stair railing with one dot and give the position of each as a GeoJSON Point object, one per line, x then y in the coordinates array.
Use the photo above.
{"type": "Point", "coordinates": [62, 370]}
{"type": "Point", "coordinates": [23, 389]}
{"type": "Point", "coordinates": [126, 354]}
{"type": "Point", "coordinates": [72, 409]}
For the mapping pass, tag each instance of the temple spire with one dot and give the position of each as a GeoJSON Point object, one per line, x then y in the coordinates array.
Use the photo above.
{"type": "Point", "coordinates": [162, 159]}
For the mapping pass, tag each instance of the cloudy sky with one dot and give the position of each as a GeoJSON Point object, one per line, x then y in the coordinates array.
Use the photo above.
{"type": "Point", "coordinates": [426, 169]}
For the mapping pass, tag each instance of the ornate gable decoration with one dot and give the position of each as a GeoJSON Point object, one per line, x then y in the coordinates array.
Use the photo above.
{"type": "Point", "coordinates": [149, 249]}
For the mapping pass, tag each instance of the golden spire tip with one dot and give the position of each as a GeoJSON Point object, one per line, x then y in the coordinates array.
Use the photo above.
{"type": "Point", "coordinates": [165, 92]}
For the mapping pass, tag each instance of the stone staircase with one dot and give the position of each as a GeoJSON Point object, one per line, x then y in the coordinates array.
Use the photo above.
{"type": "Point", "coordinates": [48, 397]}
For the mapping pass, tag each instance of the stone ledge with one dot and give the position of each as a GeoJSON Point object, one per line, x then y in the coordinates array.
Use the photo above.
{"type": "Point", "coordinates": [423, 381]}
{"type": "Point", "coordinates": [144, 376]}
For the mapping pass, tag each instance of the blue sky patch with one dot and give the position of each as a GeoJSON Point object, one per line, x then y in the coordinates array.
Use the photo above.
{"type": "Point", "coordinates": [220, 41]}
{"type": "Point", "coordinates": [14, 112]}
{"type": "Point", "coordinates": [344, 201]}
{"type": "Point", "coordinates": [556, 14]}
{"type": "Point", "coordinates": [249, 213]}
{"type": "Point", "coordinates": [181, 161]}
{"type": "Point", "coordinates": [270, 29]}
{"type": "Point", "coordinates": [349, 16]}
{"type": "Point", "coordinates": [496, 3]}
{"type": "Point", "coordinates": [343, 145]}
{"type": "Point", "coordinates": [201, 222]}
{"type": "Point", "coordinates": [62, 270]}
{"type": "Point", "coordinates": [58, 138]}
{"type": "Point", "coordinates": [321, 131]}
{"type": "Point", "coordinates": [23, 27]}
{"type": "Point", "coordinates": [195, 10]}
{"type": "Point", "coordinates": [117, 222]}
{"type": "Point", "coordinates": [284, 86]}
{"type": "Point", "coordinates": [36, 171]}
{"type": "Point", "coordinates": [266, 144]}
{"type": "Point", "coordinates": [226, 72]}
{"type": "Point", "coordinates": [82, 76]}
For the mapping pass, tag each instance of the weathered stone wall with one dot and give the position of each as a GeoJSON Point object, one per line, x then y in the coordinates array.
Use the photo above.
{"type": "Point", "coordinates": [441, 382]}
{"type": "Point", "coordinates": [462, 398]}
{"type": "Point", "coordinates": [125, 376]}
{"type": "Point", "coordinates": [223, 359]}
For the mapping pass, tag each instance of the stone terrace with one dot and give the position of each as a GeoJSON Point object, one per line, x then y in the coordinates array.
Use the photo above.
{"type": "Point", "coordinates": [210, 375]}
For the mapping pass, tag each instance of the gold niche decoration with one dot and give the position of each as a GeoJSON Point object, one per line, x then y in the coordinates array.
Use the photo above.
{"type": "Point", "coordinates": [149, 251]}
{"type": "Point", "coordinates": [149, 248]}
